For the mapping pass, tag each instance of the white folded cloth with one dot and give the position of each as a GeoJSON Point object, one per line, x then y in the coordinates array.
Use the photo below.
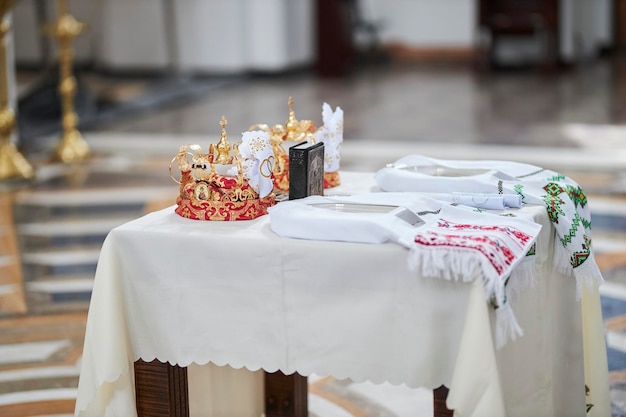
{"type": "Point", "coordinates": [304, 219]}
{"type": "Point", "coordinates": [423, 174]}
{"type": "Point", "coordinates": [488, 201]}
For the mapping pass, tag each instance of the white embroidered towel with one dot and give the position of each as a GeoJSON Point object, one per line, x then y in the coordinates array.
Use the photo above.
{"type": "Point", "coordinates": [565, 201]}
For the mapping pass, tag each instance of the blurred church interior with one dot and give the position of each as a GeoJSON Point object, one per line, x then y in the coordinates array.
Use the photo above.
{"type": "Point", "coordinates": [538, 81]}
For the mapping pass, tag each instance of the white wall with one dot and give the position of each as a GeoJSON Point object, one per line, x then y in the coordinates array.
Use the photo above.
{"type": "Point", "coordinates": [592, 25]}
{"type": "Point", "coordinates": [27, 30]}
{"type": "Point", "coordinates": [585, 25]}
{"type": "Point", "coordinates": [425, 22]}
{"type": "Point", "coordinates": [293, 45]}
{"type": "Point", "coordinates": [258, 34]}
{"type": "Point", "coordinates": [209, 36]}
{"type": "Point", "coordinates": [262, 35]}
{"type": "Point", "coordinates": [132, 35]}
{"type": "Point", "coordinates": [27, 38]}
{"type": "Point", "coordinates": [273, 35]}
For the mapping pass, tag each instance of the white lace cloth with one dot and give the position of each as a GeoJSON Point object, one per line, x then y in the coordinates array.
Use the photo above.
{"type": "Point", "coordinates": [235, 293]}
{"type": "Point", "coordinates": [331, 133]}
{"type": "Point", "coordinates": [258, 157]}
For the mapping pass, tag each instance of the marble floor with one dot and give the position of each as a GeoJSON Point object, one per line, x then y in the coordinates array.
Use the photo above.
{"type": "Point", "coordinates": [573, 122]}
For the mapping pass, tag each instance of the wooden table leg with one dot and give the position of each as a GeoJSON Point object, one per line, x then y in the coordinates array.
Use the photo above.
{"type": "Point", "coordinates": [286, 395]}
{"type": "Point", "coordinates": [161, 390]}
{"type": "Point", "coordinates": [439, 402]}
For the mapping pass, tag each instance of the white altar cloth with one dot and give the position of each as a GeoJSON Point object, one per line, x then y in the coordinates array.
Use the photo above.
{"type": "Point", "coordinates": [187, 291]}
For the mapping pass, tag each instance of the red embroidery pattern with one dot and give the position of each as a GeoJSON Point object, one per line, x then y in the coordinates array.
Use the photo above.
{"type": "Point", "coordinates": [491, 241]}
{"type": "Point", "coordinates": [507, 230]}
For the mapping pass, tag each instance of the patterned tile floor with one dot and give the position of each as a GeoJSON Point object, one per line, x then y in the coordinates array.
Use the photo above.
{"type": "Point", "coordinates": [571, 122]}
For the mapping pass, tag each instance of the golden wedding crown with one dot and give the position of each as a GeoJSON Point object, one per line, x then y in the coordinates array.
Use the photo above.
{"type": "Point", "coordinates": [294, 131]}
{"type": "Point", "coordinates": [230, 182]}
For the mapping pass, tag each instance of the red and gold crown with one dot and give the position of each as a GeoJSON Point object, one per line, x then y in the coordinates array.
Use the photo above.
{"type": "Point", "coordinates": [227, 183]}
{"type": "Point", "coordinates": [295, 131]}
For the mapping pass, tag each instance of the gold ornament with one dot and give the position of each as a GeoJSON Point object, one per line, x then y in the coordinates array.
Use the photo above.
{"type": "Point", "coordinates": [72, 147]}
{"type": "Point", "coordinates": [13, 165]}
{"type": "Point", "coordinates": [208, 188]}
{"type": "Point", "coordinates": [292, 132]}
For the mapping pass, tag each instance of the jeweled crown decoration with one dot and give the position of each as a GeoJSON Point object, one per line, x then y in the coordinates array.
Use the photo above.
{"type": "Point", "coordinates": [230, 182]}
{"type": "Point", "coordinates": [295, 131]}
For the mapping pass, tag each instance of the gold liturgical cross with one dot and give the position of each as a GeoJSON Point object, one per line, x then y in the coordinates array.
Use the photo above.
{"type": "Point", "coordinates": [223, 147]}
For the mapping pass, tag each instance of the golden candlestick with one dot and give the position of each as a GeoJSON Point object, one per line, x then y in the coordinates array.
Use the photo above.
{"type": "Point", "coordinates": [12, 163]}
{"type": "Point", "coordinates": [72, 147]}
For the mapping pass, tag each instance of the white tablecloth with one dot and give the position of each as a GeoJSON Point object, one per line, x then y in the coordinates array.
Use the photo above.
{"type": "Point", "coordinates": [235, 293]}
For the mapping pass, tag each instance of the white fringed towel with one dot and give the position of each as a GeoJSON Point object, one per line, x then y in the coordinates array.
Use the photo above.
{"type": "Point", "coordinates": [462, 247]}
{"type": "Point", "coordinates": [451, 243]}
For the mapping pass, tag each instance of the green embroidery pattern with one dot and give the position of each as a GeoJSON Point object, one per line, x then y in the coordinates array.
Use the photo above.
{"type": "Point", "coordinates": [565, 204]}
{"type": "Point", "coordinates": [576, 195]}
{"type": "Point", "coordinates": [566, 239]}
{"type": "Point", "coordinates": [518, 189]}
{"type": "Point", "coordinates": [554, 206]}
{"type": "Point", "coordinates": [553, 188]}
{"type": "Point", "coordinates": [556, 177]}
{"type": "Point", "coordinates": [581, 256]}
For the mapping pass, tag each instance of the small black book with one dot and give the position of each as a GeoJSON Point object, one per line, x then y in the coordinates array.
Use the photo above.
{"type": "Point", "coordinates": [306, 170]}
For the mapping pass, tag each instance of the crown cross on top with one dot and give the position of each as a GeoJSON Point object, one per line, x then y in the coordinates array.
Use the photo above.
{"type": "Point", "coordinates": [223, 147]}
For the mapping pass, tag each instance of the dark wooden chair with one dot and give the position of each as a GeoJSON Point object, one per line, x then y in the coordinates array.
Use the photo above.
{"type": "Point", "coordinates": [532, 19]}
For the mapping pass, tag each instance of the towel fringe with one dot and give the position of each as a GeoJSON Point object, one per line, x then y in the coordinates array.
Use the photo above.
{"type": "Point", "coordinates": [453, 265]}
{"type": "Point", "coordinates": [522, 278]}
{"type": "Point", "coordinates": [462, 265]}
{"type": "Point", "coordinates": [587, 274]}
{"type": "Point", "coordinates": [507, 327]}
{"type": "Point", "coordinates": [561, 258]}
